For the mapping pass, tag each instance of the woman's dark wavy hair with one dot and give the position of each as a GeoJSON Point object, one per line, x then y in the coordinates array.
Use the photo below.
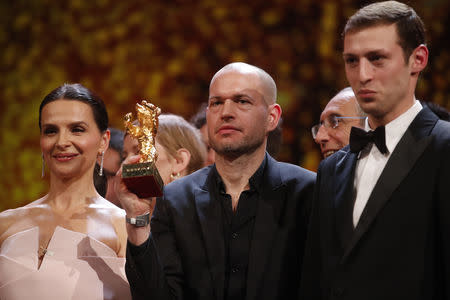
{"type": "Point", "coordinates": [78, 92]}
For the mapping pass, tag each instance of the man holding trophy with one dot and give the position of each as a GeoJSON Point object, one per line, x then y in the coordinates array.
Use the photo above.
{"type": "Point", "coordinates": [232, 230]}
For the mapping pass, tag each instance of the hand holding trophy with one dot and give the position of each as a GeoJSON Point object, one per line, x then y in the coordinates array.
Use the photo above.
{"type": "Point", "coordinates": [143, 178]}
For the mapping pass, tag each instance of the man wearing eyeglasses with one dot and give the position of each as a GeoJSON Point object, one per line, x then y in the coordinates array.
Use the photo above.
{"type": "Point", "coordinates": [336, 120]}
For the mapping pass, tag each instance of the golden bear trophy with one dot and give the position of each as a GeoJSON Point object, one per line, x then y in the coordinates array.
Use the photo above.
{"type": "Point", "coordinates": [143, 178]}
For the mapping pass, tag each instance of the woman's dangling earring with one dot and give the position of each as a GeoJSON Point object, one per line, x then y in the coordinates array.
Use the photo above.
{"type": "Point", "coordinates": [100, 172]}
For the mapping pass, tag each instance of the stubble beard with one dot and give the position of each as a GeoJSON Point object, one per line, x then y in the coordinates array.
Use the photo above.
{"type": "Point", "coordinates": [234, 150]}
{"type": "Point", "coordinates": [371, 107]}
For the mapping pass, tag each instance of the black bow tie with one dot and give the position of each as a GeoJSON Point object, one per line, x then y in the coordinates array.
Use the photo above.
{"type": "Point", "coordinates": [359, 138]}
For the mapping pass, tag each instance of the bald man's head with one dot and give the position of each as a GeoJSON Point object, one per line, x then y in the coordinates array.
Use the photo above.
{"type": "Point", "coordinates": [242, 110]}
{"type": "Point", "coordinates": [268, 85]}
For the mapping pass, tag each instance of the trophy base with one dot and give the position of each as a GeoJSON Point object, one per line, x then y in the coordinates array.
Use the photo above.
{"type": "Point", "coordinates": [143, 179]}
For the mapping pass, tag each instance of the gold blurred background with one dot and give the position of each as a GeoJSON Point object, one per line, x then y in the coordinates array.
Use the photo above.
{"type": "Point", "coordinates": [166, 52]}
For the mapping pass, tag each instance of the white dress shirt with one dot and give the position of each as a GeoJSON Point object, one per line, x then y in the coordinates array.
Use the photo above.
{"type": "Point", "coordinates": [371, 161]}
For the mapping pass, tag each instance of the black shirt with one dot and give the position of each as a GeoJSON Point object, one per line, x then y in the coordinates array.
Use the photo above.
{"type": "Point", "coordinates": [238, 230]}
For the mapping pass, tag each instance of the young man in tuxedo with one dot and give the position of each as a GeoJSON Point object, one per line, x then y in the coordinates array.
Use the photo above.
{"type": "Point", "coordinates": [380, 226]}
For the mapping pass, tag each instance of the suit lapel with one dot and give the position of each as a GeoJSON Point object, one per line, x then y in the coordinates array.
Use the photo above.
{"type": "Point", "coordinates": [409, 149]}
{"type": "Point", "coordinates": [266, 224]}
{"type": "Point", "coordinates": [343, 205]}
{"type": "Point", "coordinates": [208, 212]}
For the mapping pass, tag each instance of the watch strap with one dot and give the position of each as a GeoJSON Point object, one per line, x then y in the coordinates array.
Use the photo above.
{"type": "Point", "coordinates": [139, 221]}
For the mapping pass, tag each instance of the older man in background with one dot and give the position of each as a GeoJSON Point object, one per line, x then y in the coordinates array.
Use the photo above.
{"type": "Point", "coordinates": [336, 120]}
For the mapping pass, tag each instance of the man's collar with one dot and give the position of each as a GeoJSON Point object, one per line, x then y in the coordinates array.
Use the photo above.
{"type": "Point", "coordinates": [397, 127]}
{"type": "Point", "coordinates": [255, 181]}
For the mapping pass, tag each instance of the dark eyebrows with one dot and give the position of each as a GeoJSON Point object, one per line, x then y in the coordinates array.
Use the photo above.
{"type": "Point", "coordinates": [373, 52]}
{"type": "Point", "coordinates": [73, 124]}
{"type": "Point", "coordinates": [48, 125]}
{"type": "Point", "coordinates": [377, 52]}
{"type": "Point", "coordinates": [78, 124]}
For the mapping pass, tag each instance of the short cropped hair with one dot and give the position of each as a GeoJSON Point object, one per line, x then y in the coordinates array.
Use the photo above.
{"type": "Point", "coordinates": [410, 28]}
{"type": "Point", "coordinates": [199, 119]}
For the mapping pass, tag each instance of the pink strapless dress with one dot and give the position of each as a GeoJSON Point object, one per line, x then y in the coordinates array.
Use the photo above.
{"type": "Point", "coordinates": [75, 266]}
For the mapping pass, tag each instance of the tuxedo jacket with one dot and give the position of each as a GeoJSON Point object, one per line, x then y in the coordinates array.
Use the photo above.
{"type": "Point", "coordinates": [400, 249]}
{"type": "Point", "coordinates": [185, 254]}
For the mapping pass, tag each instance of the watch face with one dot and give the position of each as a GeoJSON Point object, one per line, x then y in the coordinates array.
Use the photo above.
{"type": "Point", "coordinates": [139, 221]}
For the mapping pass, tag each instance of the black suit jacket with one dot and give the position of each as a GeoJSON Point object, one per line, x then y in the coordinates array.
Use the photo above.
{"type": "Point", "coordinates": [400, 249]}
{"type": "Point", "coordinates": [185, 256]}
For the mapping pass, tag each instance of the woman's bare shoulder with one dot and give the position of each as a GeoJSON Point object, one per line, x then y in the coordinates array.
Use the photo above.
{"type": "Point", "coordinates": [10, 216]}
{"type": "Point", "coordinates": [108, 213]}
{"type": "Point", "coordinates": [105, 206]}
{"type": "Point", "coordinates": [117, 216]}
{"type": "Point", "coordinates": [18, 219]}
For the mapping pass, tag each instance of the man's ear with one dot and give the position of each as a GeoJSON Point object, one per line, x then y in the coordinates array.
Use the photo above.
{"type": "Point", "coordinates": [419, 59]}
{"type": "Point", "coordinates": [181, 162]}
{"type": "Point", "coordinates": [273, 116]}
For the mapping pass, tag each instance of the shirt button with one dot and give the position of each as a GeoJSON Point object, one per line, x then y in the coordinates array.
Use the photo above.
{"type": "Point", "coordinates": [234, 235]}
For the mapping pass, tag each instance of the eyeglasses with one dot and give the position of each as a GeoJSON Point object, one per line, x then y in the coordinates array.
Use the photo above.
{"type": "Point", "coordinates": [330, 122]}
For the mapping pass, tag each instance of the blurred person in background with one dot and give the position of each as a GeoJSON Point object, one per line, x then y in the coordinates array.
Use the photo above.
{"type": "Point", "coordinates": [71, 243]}
{"type": "Point", "coordinates": [341, 113]}
{"type": "Point", "coordinates": [112, 161]}
{"type": "Point", "coordinates": [199, 121]}
{"type": "Point", "coordinates": [179, 145]}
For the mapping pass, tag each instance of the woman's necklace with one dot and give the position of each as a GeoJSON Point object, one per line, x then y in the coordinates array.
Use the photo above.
{"type": "Point", "coordinates": [41, 252]}
{"type": "Point", "coordinates": [44, 251]}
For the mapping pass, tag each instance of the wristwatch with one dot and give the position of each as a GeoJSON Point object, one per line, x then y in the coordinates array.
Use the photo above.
{"type": "Point", "coordinates": [139, 221]}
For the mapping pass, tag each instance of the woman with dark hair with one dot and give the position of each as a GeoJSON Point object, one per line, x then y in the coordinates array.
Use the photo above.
{"type": "Point", "coordinates": [70, 244]}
